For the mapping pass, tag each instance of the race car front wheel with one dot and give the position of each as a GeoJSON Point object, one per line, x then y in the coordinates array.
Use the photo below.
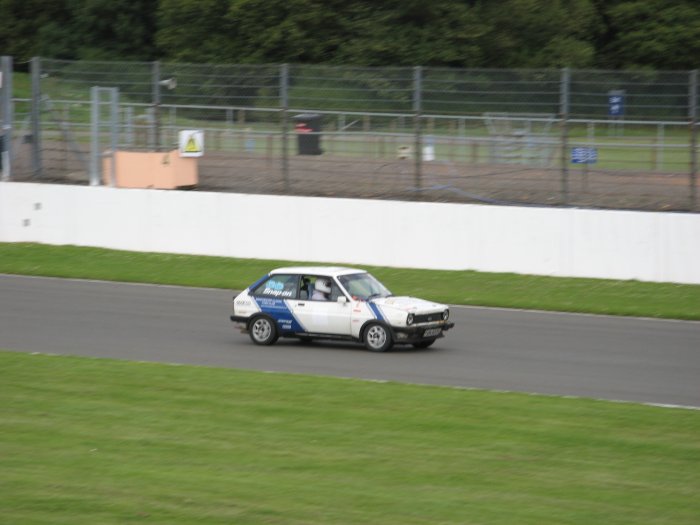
{"type": "Point", "coordinates": [378, 338]}
{"type": "Point", "coordinates": [263, 330]}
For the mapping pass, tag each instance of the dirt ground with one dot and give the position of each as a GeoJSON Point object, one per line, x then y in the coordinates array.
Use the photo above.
{"type": "Point", "coordinates": [435, 181]}
{"type": "Point", "coordinates": [443, 181]}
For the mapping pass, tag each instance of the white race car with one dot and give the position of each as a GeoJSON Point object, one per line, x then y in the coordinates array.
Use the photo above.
{"type": "Point", "coordinates": [336, 303]}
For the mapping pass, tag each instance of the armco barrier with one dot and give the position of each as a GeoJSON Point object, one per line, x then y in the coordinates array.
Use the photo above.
{"type": "Point", "coordinates": [646, 246]}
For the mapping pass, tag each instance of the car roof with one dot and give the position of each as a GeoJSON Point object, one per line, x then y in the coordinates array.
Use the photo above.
{"type": "Point", "coordinates": [332, 271]}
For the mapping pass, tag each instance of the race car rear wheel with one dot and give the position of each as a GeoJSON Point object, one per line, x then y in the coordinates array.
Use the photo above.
{"type": "Point", "coordinates": [263, 330]}
{"type": "Point", "coordinates": [378, 338]}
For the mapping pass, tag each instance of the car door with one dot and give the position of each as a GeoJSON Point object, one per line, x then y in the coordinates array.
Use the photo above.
{"type": "Point", "coordinates": [323, 317]}
{"type": "Point", "coordinates": [275, 296]}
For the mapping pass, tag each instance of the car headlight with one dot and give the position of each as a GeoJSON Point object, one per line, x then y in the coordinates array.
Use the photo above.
{"type": "Point", "coordinates": [445, 315]}
{"type": "Point", "coordinates": [409, 319]}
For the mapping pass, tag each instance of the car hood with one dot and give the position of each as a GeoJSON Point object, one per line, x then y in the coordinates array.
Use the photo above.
{"type": "Point", "coordinates": [408, 304]}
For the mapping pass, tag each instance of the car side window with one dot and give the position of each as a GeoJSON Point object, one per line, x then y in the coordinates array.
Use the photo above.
{"type": "Point", "coordinates": [278, 286]}
{"type": "Point", "coordinates": [310, 289]}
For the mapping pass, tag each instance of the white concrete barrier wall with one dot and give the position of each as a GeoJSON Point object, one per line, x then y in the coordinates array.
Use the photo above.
{"type": "Point", "coordinates": [543, 241]}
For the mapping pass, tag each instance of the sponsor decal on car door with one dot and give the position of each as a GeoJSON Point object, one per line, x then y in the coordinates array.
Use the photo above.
{"type": "Point", "coordinates": [281, 312]}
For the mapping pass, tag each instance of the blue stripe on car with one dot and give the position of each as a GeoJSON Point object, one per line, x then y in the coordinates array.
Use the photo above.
{"type": "Point", "coordinates": [279, 310]}
{"type": "Point", "coordinates": [377, 312]}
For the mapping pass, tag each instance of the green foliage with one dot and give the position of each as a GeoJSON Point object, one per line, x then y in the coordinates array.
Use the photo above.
{"type": "Point", "coordinates": [70, 29]}
{"type": "Point", "coordinates": [110, 29]}
{"type": "Point", "coordinates": [452, 33]}
{"type": "Point", "coordinates": [540, 33]}
{"type": "Point", "coordinates": [24, 24]}
{"type": "Point", "coordinates": [406, 33]}
{"type": "Point", "coordinates": [653, 33]}
{"type": "Point", "coordinates": [288, 31]}
{"type": "Point", "coordinates": [195, 31]}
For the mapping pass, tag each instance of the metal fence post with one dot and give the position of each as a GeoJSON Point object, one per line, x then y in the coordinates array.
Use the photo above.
{"type": "Point", "coordinates": [417, 124]}
{"type": "Point", "coordinates": [155, 72]}
{"type": "Point", "coordinates": [284, 104]}
{"type": "Point", "coordinates": [113, 132]}
{"type": "Point", "coordinates": [95, 168]}
{"type": "Point", "coordinates": [35, 69]}
{"type": "Point", "coordinates": [7, 117]}
{"type": "Point", "coordinates": [564, 93]}
{"type": "Point", "coordinates": [693, 118]}
{"type": "Point", "coordinates": [95, 155]}
{"type": "Point", "coordinates": [96, 124]}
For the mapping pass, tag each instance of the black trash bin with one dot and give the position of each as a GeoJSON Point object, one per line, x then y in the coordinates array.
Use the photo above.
{"type": "Point", "coordinates": [308, 130]}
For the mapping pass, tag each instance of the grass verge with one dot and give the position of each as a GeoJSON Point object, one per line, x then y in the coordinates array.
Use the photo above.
{"type": "Point", "coordinates": [89, 441]}
{"type": "Point", "coordinates": [598, 296]}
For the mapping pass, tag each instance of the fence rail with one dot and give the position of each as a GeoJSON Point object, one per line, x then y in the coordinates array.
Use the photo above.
{"type": "Point", "coordinates": [613, 139]}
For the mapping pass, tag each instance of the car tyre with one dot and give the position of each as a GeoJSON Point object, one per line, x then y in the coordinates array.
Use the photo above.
{"type": "Point", "coordinates": [377, 338]}
{"type": "Point", "coordinates": [424, 344]}
{"type": "Point", "coordinates": [263, 330]}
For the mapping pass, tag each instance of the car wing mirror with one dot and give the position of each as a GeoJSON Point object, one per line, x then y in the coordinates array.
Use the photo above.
{"type": "Point", "coordinates": [342, 299]}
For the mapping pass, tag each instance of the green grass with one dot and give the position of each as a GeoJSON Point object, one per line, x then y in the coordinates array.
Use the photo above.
{"type": "Point", "coordinates": [632, 298]}
{"type": "Point", "coordinates": [88, 441]}
{"type": "Point", "coordinates": [21, 85]}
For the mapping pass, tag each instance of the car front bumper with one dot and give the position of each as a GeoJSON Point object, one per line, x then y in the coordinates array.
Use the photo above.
{"type": "Point", "coordinates": [416, 334]}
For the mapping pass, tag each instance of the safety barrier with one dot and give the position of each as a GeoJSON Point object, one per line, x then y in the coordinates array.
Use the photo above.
{"type": "Point", "coordinates": [647, 246]}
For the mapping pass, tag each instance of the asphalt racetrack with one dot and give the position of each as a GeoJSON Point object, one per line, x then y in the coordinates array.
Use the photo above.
{"type": "Point", "coordinates": [627, 359]}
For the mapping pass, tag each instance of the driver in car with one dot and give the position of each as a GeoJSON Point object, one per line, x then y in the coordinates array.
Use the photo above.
{"type": "Point", "coordinates": [322, 290]}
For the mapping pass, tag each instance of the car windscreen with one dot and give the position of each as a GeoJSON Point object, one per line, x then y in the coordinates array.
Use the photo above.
{"type": "Point", "coordinates": [363, 286]}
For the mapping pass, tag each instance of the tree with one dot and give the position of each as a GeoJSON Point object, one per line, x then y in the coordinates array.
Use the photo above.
{"type": "Point", "coordinates": [414, 32]}
{"type": "Point", "coordinates": [540, 33]}
{"type": "Point", "coordinates": [351, 32]}
{"type": "Point", "coordinates": [114, 29]}
{"type": "Point", "coordinates": [78, 29]}
{"type": "Point", "coordinates": [659, 34]}
{"type": "Point", "coordinates": [300, 31]}
{"type": "Point", "coordinates": [195, 31]}
{"type": "Point", "coordinates": [23, 22]}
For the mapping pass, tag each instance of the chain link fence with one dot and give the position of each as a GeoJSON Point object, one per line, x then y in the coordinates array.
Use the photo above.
{"type": "Point", "coordinates": [608, 139]}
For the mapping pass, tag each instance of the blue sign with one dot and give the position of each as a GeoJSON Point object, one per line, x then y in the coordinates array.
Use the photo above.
{"type": "Point", "coordinates": [584, 155]}
{"type": "Point", "coordinates": [616, 103]}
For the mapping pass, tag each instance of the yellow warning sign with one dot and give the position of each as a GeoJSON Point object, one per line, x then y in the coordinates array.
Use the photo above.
{"type": "Point", "coordinates": [191, 143]}
{"type": "Point", "coordinates": [191, 146]}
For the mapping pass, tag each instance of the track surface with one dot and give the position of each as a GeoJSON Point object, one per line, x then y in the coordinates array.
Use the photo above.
{"type": "Point", "coordinates": [604, 357]}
